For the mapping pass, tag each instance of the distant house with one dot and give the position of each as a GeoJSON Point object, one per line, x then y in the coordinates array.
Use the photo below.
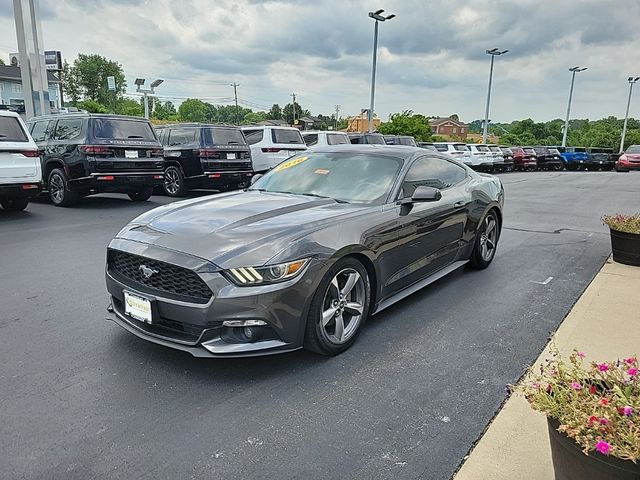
{"type": "Point", "coordinates": [309, 123]}
{"type": "Point", "coordinates": [360, 123]}
{"type": "Point", "coordinates": [11, 88]}
{"type": "Point", "coordinates": [448, 127]}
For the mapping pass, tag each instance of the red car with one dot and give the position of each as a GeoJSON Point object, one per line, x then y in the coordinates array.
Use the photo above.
{"type": "Point", "coordinates": [629, 160]}
{"type": "Point", "coordinates": [524, 158]}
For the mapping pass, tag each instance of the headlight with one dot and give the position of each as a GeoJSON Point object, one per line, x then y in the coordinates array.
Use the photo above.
{"type": "Point", "coordinates": [249, 276]}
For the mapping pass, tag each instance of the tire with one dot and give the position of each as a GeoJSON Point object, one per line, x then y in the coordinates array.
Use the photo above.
{"type": "Point", "coordinates": [14, 204]}
{"type": "Point", "coordinates": [481, 258]}
{"type": "Point", "coordinates": [174, 182]}
{"type": "Point", "coordinates": [324, 336]}
{"type": "Point", "coordinates": [141, 195]}
{"type": "Point", "coordinates": [58, 186]}
{"type": "Point", "coordinates": [558, 167]}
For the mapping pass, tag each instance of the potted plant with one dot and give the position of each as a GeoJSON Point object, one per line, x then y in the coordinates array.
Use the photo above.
{"type": "Point", "coordinates": [593, 415]}
{"type": "Point", "coordinates": [625, 237]}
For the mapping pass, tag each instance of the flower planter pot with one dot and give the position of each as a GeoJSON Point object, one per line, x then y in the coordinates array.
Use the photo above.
{"type": "Point", "coordinates": [625, 247]}
{"type": "Point", "coordinates": [570, 463]}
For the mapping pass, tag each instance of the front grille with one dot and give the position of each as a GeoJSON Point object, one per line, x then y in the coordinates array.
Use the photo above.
{"type": "Point", "coordinates": [167, 278]}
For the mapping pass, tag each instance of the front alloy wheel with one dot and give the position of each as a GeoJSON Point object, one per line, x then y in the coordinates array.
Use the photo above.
{"type": "Point", "coordinates": [339, 308]}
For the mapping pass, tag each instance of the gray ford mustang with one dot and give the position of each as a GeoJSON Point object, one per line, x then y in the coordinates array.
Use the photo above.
{"type": "Point", "coordinates": [305, 255]}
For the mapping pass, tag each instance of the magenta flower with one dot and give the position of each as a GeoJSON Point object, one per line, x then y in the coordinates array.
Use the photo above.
{"type": "Point", "coordinates": [603, 367]}
{"type": "Point", "coordinates": [581, 354]}
{"type": "Point", "coordinates": [630, 360]}
{"type": "Point", "coordinates": [576, 385]}
{"type": "Point", "coordinates": [603, 447]}
{"type": "Point", "coordinates": [604, 421]}
{"type": "Point", "coordinates": [632, 372]}
{"type": "Point", "coordinates": [627, 411]}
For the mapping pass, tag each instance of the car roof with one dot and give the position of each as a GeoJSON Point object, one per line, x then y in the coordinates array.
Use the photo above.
{"type": "Point", "coordinates": [57, 116]}
{"type": "Point", "coordinates": [264, 127]}
{"type": "Point", "coordinates": [402, 151]}
{"type": "Point", "coordinates": [303, 132]}
{"type": "Point", "coordinates": [8, 113]}
{"type": "Point", "coordinates": [195, 125]}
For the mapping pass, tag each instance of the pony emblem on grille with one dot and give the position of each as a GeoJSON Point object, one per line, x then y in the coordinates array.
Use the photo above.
{"type": "Point", "coordinates": [146, 271]}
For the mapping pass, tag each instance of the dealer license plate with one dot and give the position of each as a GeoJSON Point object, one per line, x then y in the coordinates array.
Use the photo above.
{"type": "Point", "coordinates": [131, 154]}
{"type": "Point", "coordinates": [137, 307]}
{"type": "Point", "coordinates": [231, 156]}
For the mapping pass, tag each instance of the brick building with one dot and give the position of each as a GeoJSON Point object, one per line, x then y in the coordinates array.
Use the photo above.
{"type": "Point", "coordinates": [448, 127]}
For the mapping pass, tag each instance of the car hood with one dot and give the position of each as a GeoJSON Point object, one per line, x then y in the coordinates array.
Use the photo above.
{"type": "Point", "coordinates": [632, 156]}
{"type": "Point", "coordinates": [238, 228]}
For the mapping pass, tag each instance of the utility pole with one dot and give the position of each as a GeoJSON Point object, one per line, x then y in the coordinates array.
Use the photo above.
{"type": "Point", "coordinates": [337, 114]}
{"type": "Point", "coordinates": [631, 81]}
{"type": "Point", "coordinates": [294, 108]}
{"type": "Point", "coordinates": [235, 94]}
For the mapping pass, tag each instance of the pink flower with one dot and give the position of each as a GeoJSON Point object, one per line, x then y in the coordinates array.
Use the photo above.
{"type": "Point", "coordinates": [576, 385]}
{"type": "Point", "coordinates": [630, 360]}
{"type": "Point", "coordinates": [592, 419]}
{"type": "Point", "coordinates": [581, 354]}
{"type": "Point", "coordinates": [603, 401]}
{"type": "Point", "coordinates": [603, 367]}
{"type": "Point", "coordinates": [593, 389]}
{"type": "Point", "coordinates": [604, 421]}
{"type": "Point", "coordinates": [632, 372]}
{"type": "Point", "coordinates": [627, 411]}
{"type": "Point", "coordinates": [603, 447]}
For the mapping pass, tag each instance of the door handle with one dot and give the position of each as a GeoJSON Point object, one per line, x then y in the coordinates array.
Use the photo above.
{"type": "Point", "coordinates": [459, 204]}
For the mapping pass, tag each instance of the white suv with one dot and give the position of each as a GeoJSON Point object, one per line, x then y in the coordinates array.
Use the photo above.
{"type": "Point", "coordinates": [481, 157]}
{"type": "Point", "coordinates": [458, 150]}
{"type": "Point", "coordinates": [20, 170]}
{"type": "Point", "coordinates": [317, 138]}
{"type": "Point", "coordinates": [272, 145]}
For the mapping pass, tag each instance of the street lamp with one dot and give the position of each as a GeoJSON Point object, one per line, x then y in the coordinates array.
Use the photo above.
{"type": "Point", "coordinates": [378, 18]}
{"type": "Point", "coordinates": [573, 71]}
{"type": "Point", "coordinates": [493, 52]}
{"type": "Point", "coordinates": [631, 81]}
{"type": "Point", "coordinates": [139, 83]}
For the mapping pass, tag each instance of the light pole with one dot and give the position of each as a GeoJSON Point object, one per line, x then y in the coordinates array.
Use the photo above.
{"type": "Point", "coordinates": [139, 82]}
{"type": "Point", "coordinates": [378, 18]}
{"type": "Point", "coordinates": [493, 52]}
{"type": "Point", "coordinates": [573, 71]}
{"type": "Point", "coordinates": [631, 81]}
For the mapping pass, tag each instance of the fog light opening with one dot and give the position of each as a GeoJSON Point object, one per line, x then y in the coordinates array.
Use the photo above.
{"type": "Point", "coordinates": [252, 334]}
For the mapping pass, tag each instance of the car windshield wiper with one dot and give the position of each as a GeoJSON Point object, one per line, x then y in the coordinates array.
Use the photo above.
{"type": "Point", "coordinates": [135, 136]}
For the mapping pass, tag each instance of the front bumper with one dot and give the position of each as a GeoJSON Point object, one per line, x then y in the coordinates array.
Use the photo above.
{"type": "Point", "coordinates": [20, 190]}
{"type": "Point", "coordinates": [198, 328]}
{"type": "Point", "coordinates": [118, 182]}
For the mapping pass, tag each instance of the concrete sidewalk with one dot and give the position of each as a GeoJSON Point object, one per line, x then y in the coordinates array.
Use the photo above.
{"type": "Point", "coordinates": [603, 324]}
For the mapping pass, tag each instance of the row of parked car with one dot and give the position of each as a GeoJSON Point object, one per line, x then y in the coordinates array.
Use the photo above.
{"type": "Point", "coordinates": [79, 154]}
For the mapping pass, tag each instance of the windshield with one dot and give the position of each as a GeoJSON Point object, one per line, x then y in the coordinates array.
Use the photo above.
{"type": "Point", "coordinates": [223, 136]}
{"type": "Point", "coordinates": [633, 149]}
{"type": "Point", "coordinates": [495, 149]}
{"type": "Point", "coordinates": [281, 135]}
{"type": "Point", "coordinates": [375, 139]}
{"type": "Point", "coordinates": [482, 148]}
{"type": "Point", "coordinates": [11, 130]}
{"type": "Point", "coordinates": [461, 147]}
{"type": "Point", "coordinates": [407, 141]}
{"type": "Point", "coordinates": [530, 151]}
{"type": "Point", "coordinates": [507, 151]}
{"type": "Point", "coordinates": [554, 151]}
{"type": "Point", "coordinates": [349, 177]}
{"type": "Point", "coordinates": [109, 128]}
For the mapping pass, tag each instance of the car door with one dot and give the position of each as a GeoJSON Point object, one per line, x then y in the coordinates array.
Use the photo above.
{"type": "Point", "coordinates": [429, 233]}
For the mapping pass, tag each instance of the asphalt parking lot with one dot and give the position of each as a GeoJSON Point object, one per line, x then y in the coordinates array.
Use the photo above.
{"type": "Point", "coordinates": [82, 398]}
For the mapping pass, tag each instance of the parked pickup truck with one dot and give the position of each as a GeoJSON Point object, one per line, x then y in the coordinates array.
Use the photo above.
{"type": "Point", "coordinates": [600, 158]}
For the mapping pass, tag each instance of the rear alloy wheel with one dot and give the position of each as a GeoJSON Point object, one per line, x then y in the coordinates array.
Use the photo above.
{"type": "Point", "coordinates": [339, 308]}
{"type": "Point", "coordinates": [14, 204]}
{"type": "Point", "coordinates": [141, 194]}
{"type": "Point", "coordinates": [486, 242]}
{"type": "Point", "coordinates": [174, 184]}
{"type": "Point", "coordinates": [59, 192]}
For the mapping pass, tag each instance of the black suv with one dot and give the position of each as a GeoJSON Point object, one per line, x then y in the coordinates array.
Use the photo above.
{"type": "Point", "coordinates": [600, 158]}
{"type": "Point", "coordinates": [85, 153]}
{"type": "Point", "coordinates": [369, 138]}
{"type": "Point", "coordinates": [548, 159]}
{"type": "Point", "coordinates": [400, 140]}
{"type": "Point", "coordinates": [204, 156]}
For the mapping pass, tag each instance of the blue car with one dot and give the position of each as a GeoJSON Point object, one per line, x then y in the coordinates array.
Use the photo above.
{"type": "Point", "coordinates": [574, 158]}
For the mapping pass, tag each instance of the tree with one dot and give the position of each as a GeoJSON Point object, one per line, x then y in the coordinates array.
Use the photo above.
{"type": "Point", "coordinates": [130, 107]}
{"type": "Point", "coordinates": [193, 110]}
{"type": "Point", "coordinates": [254, 117]}
{"type": "Point", "coordinates": [87, 79]}
{"type": "Point", "coordinates": [454, 117]}
{"type": "Point", "coordinates": [92, 106]}
{"type": "Point", "coordinates": [165, 111]}
{"type": "Point", "coordinates": [287, 112]}
{"type": "Point", "coordinates": [407, 123]}
{"type": "Point", "coordinates": [275, 113]}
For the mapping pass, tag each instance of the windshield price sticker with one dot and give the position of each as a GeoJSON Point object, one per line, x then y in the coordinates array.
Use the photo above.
{"type": "Point", "coordinates": [290, 163]}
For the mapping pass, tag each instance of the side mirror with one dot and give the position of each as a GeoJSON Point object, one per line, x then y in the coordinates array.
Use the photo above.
{"type": "Point", "coordinates": [255, 178]}
{"type": "Point", "coordinates": [426, 194]}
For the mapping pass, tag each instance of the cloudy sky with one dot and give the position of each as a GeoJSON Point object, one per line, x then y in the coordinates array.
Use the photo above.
{"type": "Point", "coordinates": [431, 59]}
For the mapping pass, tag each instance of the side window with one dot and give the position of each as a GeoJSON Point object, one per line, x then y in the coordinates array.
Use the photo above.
{"type": "Point", "coordinates": [355, 140]}
{"type": "Point", "coordinates": [68, 129]}
{"type": "Point", "coordinates": [310, 139]}
{"type": "Point", "coordinates": [432, 172]}
{"type": "Point", "coordinates": [40, 131]}
{"type": "Point", "coordinates": [253, 136]}
{"type": "Point", "coordinates": [337, 139]}
{"type": "Point", "coordinates": [181, 136]}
